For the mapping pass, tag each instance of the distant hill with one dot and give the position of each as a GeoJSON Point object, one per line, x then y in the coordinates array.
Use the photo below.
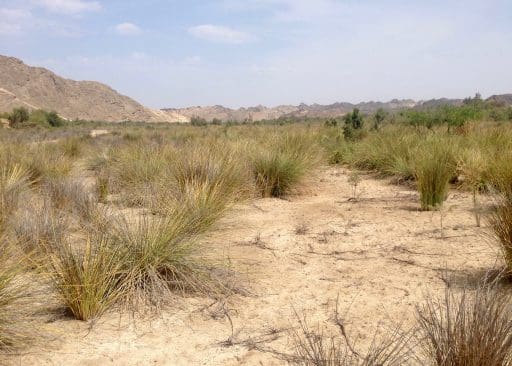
{"type": "Point", "coordinates": [36, 87]}
{"type": "Point", "coordinates": [503, 99]}
{"type": "Point", "coordinates": [39, 88]}
{"type": "Point", "coordinates": [303, 110]}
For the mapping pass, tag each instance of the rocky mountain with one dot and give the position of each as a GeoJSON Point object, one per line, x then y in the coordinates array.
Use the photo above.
{"type": "Point", "coordinates": [302, 110]}
{"type": "Point", "coordinates": [503, 99]}
{"type": "Point", "coordinates": [36, 87]}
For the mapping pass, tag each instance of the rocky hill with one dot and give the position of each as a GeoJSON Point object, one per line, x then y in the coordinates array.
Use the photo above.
{"type": "Point", "coordinates": [36, 87]}
{"type": "Point", "coordinates": [302, 110]}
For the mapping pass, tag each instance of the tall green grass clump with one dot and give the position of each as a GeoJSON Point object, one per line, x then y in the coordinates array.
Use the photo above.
{"type": "Point", "coordinates": [86, 278]}
{"type": "Point", "coordinates": [160, 255]}
{"type": "Point", "coordinates": [434, 168]}
{"type": "Point", "coordinates": [283, 164]}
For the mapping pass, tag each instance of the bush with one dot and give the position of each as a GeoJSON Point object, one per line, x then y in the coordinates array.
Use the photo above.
{"type": "Point", "coordinates": [18, 116]}
{"type": "Point", "coordinates": [353, 126]}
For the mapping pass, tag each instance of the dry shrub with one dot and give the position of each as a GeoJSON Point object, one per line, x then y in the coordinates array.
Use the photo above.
{"type": "Point", "coordinates": [39, 227]}
{"type": "Point", "coordinates": [317, 348]}
{"type": "Point", "coordinates": [472, 328]}
{"type": "Point", "coordinates": [71, 196]}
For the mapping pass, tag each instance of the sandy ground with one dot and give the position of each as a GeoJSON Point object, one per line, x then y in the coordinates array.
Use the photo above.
{"type": "Point", "coordinates": [378, 254]}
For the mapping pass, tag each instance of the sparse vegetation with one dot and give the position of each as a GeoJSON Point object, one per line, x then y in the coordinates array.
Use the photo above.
{"type": "Point", "coordinates": [121, 221]}
{"type": "Point", "coordinates": [470, 328]}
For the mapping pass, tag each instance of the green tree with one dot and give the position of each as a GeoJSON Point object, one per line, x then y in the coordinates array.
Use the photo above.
{"type": "Point", "coordinates": [18, 116]}
{"type": "Point", "coordinates": [353, 125]}
{"type": "Point", "coordinates": [379, 117]}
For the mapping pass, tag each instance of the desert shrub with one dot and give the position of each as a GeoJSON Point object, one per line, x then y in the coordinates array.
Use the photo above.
{"type": "Point", "coordinates": [472, 328]}
{"type": "Point", "coordinates": [283, 165]}
{"type": "Point", "coordinates": [353, 125]}
{"type": "Point", "coordinates": [379, 117]}
{"type": "Point", "coordinates": [434, 168]}
{"type": "Point", "coordinates": [18, 116]}
{"type": "Point", "coordinates": [87, 279]}
{"type": "Point", "coordinates": [198, 121]}
{"type": "Point", "coordinates": [54, 119]}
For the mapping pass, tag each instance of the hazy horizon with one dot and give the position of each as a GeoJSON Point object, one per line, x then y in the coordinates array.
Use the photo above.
{"type": "Point", "coordinates": [172, 54]}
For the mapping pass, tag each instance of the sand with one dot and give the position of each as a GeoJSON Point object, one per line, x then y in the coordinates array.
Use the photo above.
{"type": "Point", "coordinates": [378, 254]}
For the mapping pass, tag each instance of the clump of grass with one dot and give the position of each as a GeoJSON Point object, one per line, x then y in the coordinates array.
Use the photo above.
{"type": "Point", "coordinates": [87, 279]}
{"type": "Point", "coordinates": [500, 222]}
{"type": "Point", "coordinates": [434, 167]}
{"type": "Point", "coordinates": [71, 196]}
{"type": "Point", "coordinates": [469, 329]}
{"type": "Point", "coordinates": [283, 165]}
{"type": "Point", "coordinates": [39, 227]}
{"type": "Point", "coordinates": [13, 181]}
{"type": "Point", "coordinates": [160, 256]}
{"type": "Point", "coordinates": [13, 297]}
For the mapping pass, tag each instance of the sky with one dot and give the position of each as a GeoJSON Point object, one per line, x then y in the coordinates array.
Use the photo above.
{"type": "Point", "coordinates": [179, 53]}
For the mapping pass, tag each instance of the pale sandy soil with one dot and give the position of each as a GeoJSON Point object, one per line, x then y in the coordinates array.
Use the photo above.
{"type": "Point", "coordinates": [379, 254]}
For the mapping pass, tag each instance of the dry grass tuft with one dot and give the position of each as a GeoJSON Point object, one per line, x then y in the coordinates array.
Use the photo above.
{"type": "Point", "coordinates": [13, 300]}
{"type": "Point", "coordinates": [473, 328]}
{"type": "Point", "coordinates": [13, 181]}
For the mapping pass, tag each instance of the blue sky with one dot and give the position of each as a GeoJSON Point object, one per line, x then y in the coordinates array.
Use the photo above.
{"type": "Point", "coordinates": [240, 53]}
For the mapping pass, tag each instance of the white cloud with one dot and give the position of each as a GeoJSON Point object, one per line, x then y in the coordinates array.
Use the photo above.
{"type": "Point", "coordinates": [69, 6]}
{"type": "Point", "coordinates": [13, 21]}
{"type": "Point", "coordinates": [220, 34]}
{"type": "Point", "coordinates": [127, 29]}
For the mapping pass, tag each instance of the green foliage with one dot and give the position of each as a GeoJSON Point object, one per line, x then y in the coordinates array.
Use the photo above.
{"type": "Point", "coordinates": [331, 122]}
{"type": "Point", "coordinates": [379, 118]}
{"type": "Point", "coordinates": [434, 165]}
{"type": "Point", "coordinates": [18, 116]}
{"type": "Point", "coordinates": [280, 167]}
{"type": "Point", "coordinates": [450, 116]}
{"type": "Point", "coordinates": [198, 121]}
{"type": "Point", "coordinates": [353, 125]}
{"type": "Point", "coordinates": [53, 119]}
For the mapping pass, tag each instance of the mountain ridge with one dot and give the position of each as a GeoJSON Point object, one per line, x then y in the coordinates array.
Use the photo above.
{"type": "Point", "coordinates": [37, 87]}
